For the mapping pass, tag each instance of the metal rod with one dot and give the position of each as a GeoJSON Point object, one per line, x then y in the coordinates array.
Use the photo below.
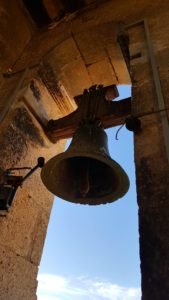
{"type": "Point", "coordinates": [11, 74]}
{"type": "Point", "coordinates": [160, 98]}
{"type": "Point", "coordinates": [140, 115]}
{"type": "Point", "coordinates": [40, 164]}
{"type": "Point", "coordinates": [17, 169]}
{"type": "Point", "coordinates": [29, 174]}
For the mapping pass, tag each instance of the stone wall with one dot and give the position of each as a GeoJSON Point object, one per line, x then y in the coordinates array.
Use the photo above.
{"type": "Point", "coordinates": [23, 230]}
{"type": "Point", "coordinates": [22, 141]}
{"type": "Point", "coordinates": [152, 169]}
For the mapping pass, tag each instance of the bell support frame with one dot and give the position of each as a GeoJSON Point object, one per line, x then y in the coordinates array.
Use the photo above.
{"type": "Point", "coordinates": [94, 103]}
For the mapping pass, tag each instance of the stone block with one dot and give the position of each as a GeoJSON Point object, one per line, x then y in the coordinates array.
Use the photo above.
{"type": "Point", "coordinates": [17, 276]}
{"type": "Point", "coordinates": [75, 77]}
{"type": "Point", "coordinates": [15, 36]}
{"type": "Point", "coordinates": [93, 41]}
{"type": "Point", "coordinates": [63, 54]}
{"type": "Point", "coordinates": [39, 237]}
{"type": "Point", "coordinates": [102, 73]}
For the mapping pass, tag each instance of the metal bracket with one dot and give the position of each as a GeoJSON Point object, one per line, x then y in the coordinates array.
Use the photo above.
{"type": "Point", "coordinates": [10, 182]}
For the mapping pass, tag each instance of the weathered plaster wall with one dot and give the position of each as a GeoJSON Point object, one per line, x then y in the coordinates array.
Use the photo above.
{"type": "Point", "coordinates": [23, 229]}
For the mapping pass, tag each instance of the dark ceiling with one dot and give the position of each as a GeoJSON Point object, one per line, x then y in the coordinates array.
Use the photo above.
{"type": "Point", "coordinates": [39, 9]}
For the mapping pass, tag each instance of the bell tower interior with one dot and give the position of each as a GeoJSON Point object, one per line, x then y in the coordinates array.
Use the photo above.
{"type": "Point", "coordinates": [52, 51]}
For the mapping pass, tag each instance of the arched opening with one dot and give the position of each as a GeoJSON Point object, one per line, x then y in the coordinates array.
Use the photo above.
{"type": "Point", "coordinates": [92, 252]}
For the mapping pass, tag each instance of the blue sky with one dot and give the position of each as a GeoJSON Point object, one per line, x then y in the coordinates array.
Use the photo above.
{"type": "Point", "coordinates": [92, 252]}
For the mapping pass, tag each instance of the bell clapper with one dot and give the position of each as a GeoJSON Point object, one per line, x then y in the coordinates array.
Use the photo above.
{"type": "Point", "coordinates": [83, 180]}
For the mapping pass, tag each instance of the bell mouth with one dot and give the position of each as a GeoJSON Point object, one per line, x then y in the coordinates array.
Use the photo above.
{"type": "Point", "coordinates": [85, 179]}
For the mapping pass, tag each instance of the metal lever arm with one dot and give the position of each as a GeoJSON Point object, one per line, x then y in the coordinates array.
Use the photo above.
{"type": "Point", "coordinates": [40, 164]}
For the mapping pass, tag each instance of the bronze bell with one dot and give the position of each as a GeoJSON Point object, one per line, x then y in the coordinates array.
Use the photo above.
{"type": "Point", "coordinates": [85, 172]}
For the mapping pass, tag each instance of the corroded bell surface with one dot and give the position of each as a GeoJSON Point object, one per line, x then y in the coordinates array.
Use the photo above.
{"type": "Point", "coordinates": [85, 172]}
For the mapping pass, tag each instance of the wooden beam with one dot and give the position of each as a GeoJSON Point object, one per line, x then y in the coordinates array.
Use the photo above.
{"type": "Point", "coordinates": [91, 105]}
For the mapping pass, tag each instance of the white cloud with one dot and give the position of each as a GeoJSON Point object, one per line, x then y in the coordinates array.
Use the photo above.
{"type": "Point", "coordinates": [54, 287]}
